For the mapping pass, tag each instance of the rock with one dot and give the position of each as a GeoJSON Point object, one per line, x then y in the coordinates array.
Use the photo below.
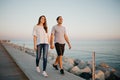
{"type": "Point", "coordinates": [117, 74]}
{"type": "Point", "coordinates": [104, 65]}
{"type": "Point", "coordinates": [89, 64]}
{"type": "Point", "coordinates": [68, 63]}
{"type": "Point", "coordinates": [71, 61]}
{"type": "Point", "coordinates": [76, 62]}
{"type": "Point", "coordinates": [113, 77]}
{"type": "Point", "coordinates": [99, 75]}
{"type": "Point", "coordinates": [86, 75]}
{"type": "Point", "coordinates": [75, 70]}
{"type": "Point", "coordinates": [107, 70]}
{"type": "Point", "coordinates": [86, 70]}
{"type": "Point", "coordinates": [51, 58]}
{"type": "Point", "coordinates": [65, 59]}
{"type": "Point", "coordinates": [82, 64]}
{"type": "Point", "coordinates": [107, 74]}
{"type": "Point", "coordinates": [101, 68]}
{"type": "Point", "coordinates": [67, 66]}
{"type": "Point", "coordinates": [68, 60]}
{"type": "Point", "coordinates": [112, 69]}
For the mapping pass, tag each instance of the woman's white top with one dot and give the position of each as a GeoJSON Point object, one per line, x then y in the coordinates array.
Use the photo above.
{"type": "Point", "coordinates": [40, 33]}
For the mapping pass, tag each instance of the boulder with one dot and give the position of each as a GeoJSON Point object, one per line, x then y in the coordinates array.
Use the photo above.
{"type": "Point", "coordinates": [106, 69]}
{"type": "Point", "coordinates": [85, 70]}
{"type": "Point", "coordinates": [76, 62]}
{"type": "Point", "coordinates": [75, 70]}
{"type": "Point", "coordinates": [51, 58]}
{"type": "Point", "coordinates": [117, 74]}
{"type": "Point", "coordinates": [86, 76]}
{"type": "Point", "coordinates": [104, 65]}
{"type": "Point", "coordinates": [82, 64]}
{"type": "Point", "coordinates": [99, 75]}
{"type": "Point", "coordinates": [71, 61]}
{"type": "Point", "coordinates": [68, 60]}
{"type": "Point", "coordinates": [113, 77]}
{"type": "Point", "coordinates": [89, 64]}
{"type": "Point", "coordinates": [67, 66]}
{"type": "Point", "coordinates": [68, 63]}
{"type": "Point", "coordinates": [107, 74]}
{"type": "Point", "coordinates": [65, 59]}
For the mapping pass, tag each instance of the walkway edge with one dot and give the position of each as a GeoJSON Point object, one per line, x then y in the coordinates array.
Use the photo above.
{"type": "Point", "coordinates": [27, 65]}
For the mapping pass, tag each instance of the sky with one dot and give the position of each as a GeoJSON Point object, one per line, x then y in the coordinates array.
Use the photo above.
{"type": "Point", "coordinates": [83, 19]}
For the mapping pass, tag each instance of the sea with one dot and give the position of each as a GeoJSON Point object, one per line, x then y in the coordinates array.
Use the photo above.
{"type": "Point", "coordinates": [107, 51]}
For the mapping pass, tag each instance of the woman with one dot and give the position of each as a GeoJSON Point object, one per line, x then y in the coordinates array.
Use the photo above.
{"type": "Point", "coordinates": [41, 43]}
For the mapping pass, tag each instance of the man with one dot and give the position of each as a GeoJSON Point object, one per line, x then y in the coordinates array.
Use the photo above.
{"type": "Point", "coordinates": [58, 38]}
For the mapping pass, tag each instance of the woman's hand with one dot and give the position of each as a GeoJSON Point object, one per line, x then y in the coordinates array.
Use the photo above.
{"type": "Point", "coordinates": [35, 48]}
{"type": "Point", "coordinates": [52, 46]}
{"type": "Point", "coordinates": [35, 41]}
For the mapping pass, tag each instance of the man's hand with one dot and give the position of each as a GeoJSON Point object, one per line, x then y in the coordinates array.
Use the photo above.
{"type": "Point", "coordinates": [69, 46]}
{"type": "Point", "coordinates": [67, 40]}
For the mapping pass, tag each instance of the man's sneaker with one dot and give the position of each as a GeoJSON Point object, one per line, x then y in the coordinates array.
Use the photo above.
{"type": "Point", "coordinates": [38, 69]}
{"type": "Point", "coordinates": [62, 71]}
{"type": "Point", "coordinates": [55, 66]}
{"type": "Point", "coordinates": [45, 74]}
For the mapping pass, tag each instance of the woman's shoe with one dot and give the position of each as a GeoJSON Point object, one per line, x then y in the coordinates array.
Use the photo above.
{"type": "Point", "coordinates": [45, 74]}
{"type": "Point", "coordinates": [38, 69]}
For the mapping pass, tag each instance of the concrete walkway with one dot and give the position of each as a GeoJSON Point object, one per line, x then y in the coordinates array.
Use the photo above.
{"type": "Point", "coordinates": [27, 64]}
{"type": "Point", "coordinates": [8, 68]}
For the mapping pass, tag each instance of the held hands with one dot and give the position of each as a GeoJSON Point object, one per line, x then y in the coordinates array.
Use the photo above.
{"type": "Point", "coordinates": [52, 46]}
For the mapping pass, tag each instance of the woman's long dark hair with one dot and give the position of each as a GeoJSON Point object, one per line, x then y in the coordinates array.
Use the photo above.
{"type": "Point", "coordinates": [44, 24]}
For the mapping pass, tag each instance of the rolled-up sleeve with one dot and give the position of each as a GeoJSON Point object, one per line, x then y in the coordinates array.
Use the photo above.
{"type": "Point", "coordinates": [53, 30]}
{"type": "Point", "coordinates": [34, 31]}
{"type": "Point", "coordinates": [65, 31]}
